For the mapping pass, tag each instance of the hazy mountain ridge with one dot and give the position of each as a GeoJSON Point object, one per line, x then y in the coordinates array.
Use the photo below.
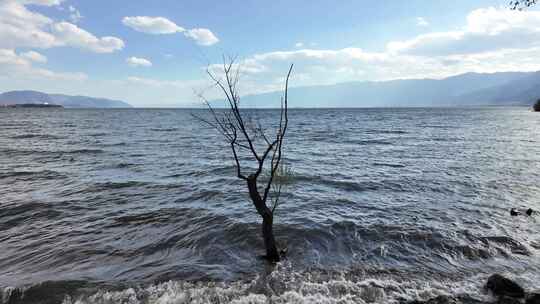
{"type": "Point", "coordinates": [521, 91]}
{"type": "Point", "coordinates": [504, 88]}
{"type": "Point", "coordinates": [22, 97]}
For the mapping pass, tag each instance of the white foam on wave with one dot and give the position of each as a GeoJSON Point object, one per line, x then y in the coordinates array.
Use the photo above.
{"type": "Point", "coordinates": [285, 286]}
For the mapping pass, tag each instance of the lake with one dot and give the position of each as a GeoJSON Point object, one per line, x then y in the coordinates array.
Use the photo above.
{"type": "Point", "coordinates": [384, 205]}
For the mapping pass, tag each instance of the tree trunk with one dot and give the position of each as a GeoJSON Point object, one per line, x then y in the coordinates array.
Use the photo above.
{"type": "Point", "coordinates": [272, 253]}
{"type": "Point", "coordinates": [269, 241]}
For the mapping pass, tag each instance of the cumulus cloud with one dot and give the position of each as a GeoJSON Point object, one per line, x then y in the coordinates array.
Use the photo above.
{"type": "Point", "coordinates": [152, 25]}
{"type": "Point", "coordinates": [138, 62]}
{"type": "Point", "coordinates": [487, 30]}
{"type": "Point", "coordinates": [153, 82]}
{"type": "Point", "coordinates": [264, 72]}
{"type": "Point", "coordinates": [20, 66]}
{"type": "Point", "coordinates": [492, 40]}
{"type": "Point", "coordinates": [161, 25]}
{"type": "Point", "coordinates": [74, 14]}
{"type": "Point", "coordinates": [71, 35]}
{"type": "Point", "coordinates": [298, 44]}
{"type": "Point", "coordinates": [202, 36]}
{"type": "Point", "coordinates": [41, 2]}
{"type": "Point", "coordinates": [420, 21]}
{"type": "Point", "coordinates": [34, 56]}
{"type": "Point", "coordinates": [20, 27]}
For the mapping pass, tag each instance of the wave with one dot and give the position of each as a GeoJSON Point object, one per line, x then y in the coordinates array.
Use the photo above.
{"type": "Point", "coordinates": [52, 153]}
{"type": "Point", "coordinates": [103, 186]}
{"type": "Point", "coordinates": [83, 151]}
{"type": "Point", "coordinates": [13, 215]}
{"type": "Point", "coordinates": [32, 175]}
{"type": "Point", "coordinates": [124, 165]}
{"type": "Point", "coordinates": [280, 286]}
{"type": "Point", "coordinates": [164, 129]}
{"type": "Point", "coordinates": [351, 185]}
{"type": "Point", "coordinates": [37, 136]}
{"type": "Point", "coordinates": [391, 165]}
{"type": "Point", "coordinates": [377, 131]}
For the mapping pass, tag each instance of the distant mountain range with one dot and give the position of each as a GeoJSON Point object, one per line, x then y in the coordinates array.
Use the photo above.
{"type": "Point", "coordinates": [470, 89]}
{"type": "Point", "coordinates": [35, 97]}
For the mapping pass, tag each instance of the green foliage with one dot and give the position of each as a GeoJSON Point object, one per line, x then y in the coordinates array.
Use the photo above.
{"type": "Point", "coordinates": [283, 176]}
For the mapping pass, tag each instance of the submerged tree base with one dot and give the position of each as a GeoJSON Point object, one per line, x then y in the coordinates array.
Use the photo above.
{"type": "Point", "coordinates": [280, 257]}
{"type": "Point", "coordinates": [536, 106]}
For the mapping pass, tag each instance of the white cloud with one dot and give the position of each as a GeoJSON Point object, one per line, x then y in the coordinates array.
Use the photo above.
{"type": "Point", "coordinates": [263, 72]}
{"type": "Point", "coordinates": [298, 44]}
{"type": "Point", "coordinates": [74, 14]}
{"type": "Point", "coordinates": [10, 58]}
{"type": "Point", "coordinates": [202, 36]}
{"type": "Point", "coordinates": [487, 30]}
{"type": "Point", "coordinates": [168, 92]}
{"type": "Point", "coordinates": [19, 66]}
{"type": "Point", "coordinates": [152, 82]}
{"type": "Point", "coordinates": [71, 35]}
{"type": "Point", "coordinates": [152, 25]}
{"type": "Point", "coordinates": [20, 27]}
{"type": "Point", "coordinates": [138, 62]}
{"type": "Point", "coordinates": [492, 40]}
{"type": "Point", "coordinates": [34, 56]}
{"type": "Point", "coordinates": [420, 21]}
{"type": "Point", "coordinates": [41, 2]}
{"type": "Point", "coordinates": [161, 25]}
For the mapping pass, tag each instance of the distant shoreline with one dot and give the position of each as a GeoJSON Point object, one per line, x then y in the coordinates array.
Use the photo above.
{"type": "Point", "coordinates": [32, 105]}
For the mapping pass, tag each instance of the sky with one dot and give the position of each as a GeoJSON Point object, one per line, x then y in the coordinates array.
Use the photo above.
{"type": "Point", "coordinates": [155, 53]}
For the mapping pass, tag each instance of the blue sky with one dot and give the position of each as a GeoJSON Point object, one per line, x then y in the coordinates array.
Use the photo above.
{"type": "Point", "coordinates": [154, 53]}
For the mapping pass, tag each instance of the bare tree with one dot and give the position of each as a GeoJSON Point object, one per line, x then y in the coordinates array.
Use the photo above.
{"type": "Point", "coordinates": [261, 151]}
{"type": "Point", "coordinates": [520, 4]}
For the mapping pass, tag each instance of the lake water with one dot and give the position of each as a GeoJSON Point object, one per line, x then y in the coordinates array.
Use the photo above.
{"type": "Point", "coordinates": [384, 206]}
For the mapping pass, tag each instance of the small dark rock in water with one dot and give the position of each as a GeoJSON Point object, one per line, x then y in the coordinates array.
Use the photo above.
{"type": "Point", "coordinates": [533, 298]}
{"type": "Point", "coordinates": [514, 212]}
{"type": "Point", "coordinates": [502, 286]}
{"type": "Point", "coordinates": [529, 211]}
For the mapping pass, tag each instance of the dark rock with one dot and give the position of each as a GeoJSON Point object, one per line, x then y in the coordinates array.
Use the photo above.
{"type": "Point", "coordinates": [437, 300]}
{"type": "Point", "coordinates": [514, 212]}
{"type": "Point", "coordinates": [465, 299]}
{"type": "Point", "coordinates": [536, 106]}
{"type": "Point", "coordinates": [508, 300]}
{"type": "Point", "coordinates": [462, 299]}
{"type": "Point", "coordinates": [45, 293]}
{"type": "Point", "coordinates": [533, 298]}
{"type": "Point", "coordinates": [529, 211]}
{"type": "Point", "coordinates": [502, 286]}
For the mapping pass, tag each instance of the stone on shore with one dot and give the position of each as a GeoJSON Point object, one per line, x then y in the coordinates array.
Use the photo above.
{"type": "Point", "coordinates": [533, 298]}
{"type": "Point", "coordinates": [504, 287]}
